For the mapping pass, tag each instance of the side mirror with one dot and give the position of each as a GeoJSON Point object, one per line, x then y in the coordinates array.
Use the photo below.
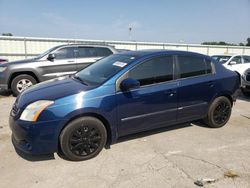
{"type": "Point", "coordinates": [233, 63]}
{"type": "Point", "coordinates": [51, 57]}
{"type": "Point", "coordinates": [129, 83]}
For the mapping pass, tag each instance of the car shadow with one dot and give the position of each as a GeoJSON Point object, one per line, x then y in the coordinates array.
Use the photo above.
{"type": "Point", "coordinates": [5, 93]}
{"type": "Point", "coordinates": [35, 158]}
{"type": "Point", "coordinates": [152, 132]}
{"type": "Point", "coordinates": [243, 98]}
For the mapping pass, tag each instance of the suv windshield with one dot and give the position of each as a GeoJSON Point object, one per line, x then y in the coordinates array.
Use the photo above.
{"type": "Point", "coordinates": [102, 70]}
{"type": "Point", "coordinates": [221, 59]}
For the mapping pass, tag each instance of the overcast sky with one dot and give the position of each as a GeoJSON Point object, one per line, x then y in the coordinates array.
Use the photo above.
{"type": "Point", "coordinates": [189, 21]}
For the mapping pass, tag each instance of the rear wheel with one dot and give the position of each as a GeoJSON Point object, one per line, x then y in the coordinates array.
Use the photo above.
{"type": "Point", "coordinates": [22, 82]}
{"type": "Point", "coordinates": [83, 138]}
{"type": "Point", "coordinates": [219, 112]}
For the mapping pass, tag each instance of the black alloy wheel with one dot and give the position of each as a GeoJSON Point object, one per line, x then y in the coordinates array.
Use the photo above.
{"type": "Point", "coordinates": [219, 112]}
{"type": "Point", "coordinates": [83, 138]}
{"type": "Point", "coordinates": [222, 112]}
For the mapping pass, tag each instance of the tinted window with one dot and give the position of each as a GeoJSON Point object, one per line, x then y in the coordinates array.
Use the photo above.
{"type": "Point", "coordinates": [193, 66]}
{"type": "Point", "coordinates": [221, 59]}
{"type": "Point", "coordinates": [103, 51]}
{"type": "Point", "coordinates": [237, 59]}
{"type": "Point", "coordinates": [86, 52]}
{"type": "Point", "coordinates": [65, 53]}
{"type": "Point", "coordinates": [246, 59]}
{"type": "Point", "coordinates": [153, 71]}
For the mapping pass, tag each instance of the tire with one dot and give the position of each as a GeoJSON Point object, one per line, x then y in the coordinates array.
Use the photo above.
{"type": "Point", "coordinates": [22, 82]}
{"type": "Point", "coordinates": [219, 112]}
{"type": "Point", "coordinates": [83, 139]}
{"type": "Point", "coordinates": [245, 92]}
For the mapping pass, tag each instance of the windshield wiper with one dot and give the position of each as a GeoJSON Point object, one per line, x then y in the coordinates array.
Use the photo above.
{"type": "Point", "coordinates": [79, 79]}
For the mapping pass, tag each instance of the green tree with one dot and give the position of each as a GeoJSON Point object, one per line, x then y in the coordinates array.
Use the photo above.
{"type": "Point", "coordinates": [7, 34]}
{"type": "Point", "coordinates": [248, 42]}
{"type": "Point", "coordinates": [218, 43]}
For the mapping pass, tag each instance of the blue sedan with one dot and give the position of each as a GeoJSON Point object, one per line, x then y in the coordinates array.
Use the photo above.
{"type": "Point", "coordinates": [121, 94]}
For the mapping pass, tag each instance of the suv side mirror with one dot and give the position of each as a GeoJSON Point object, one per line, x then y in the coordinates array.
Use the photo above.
{"type": "Point", "coordinates": [233, 63]}
{"type": "Point", "coordinates": [129, 83]}
{"type": "Point", "coordinates": [51, 57]}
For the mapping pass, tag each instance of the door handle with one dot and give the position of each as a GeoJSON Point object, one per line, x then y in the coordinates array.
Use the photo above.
{"type": "Point", "coordinates": [210, 83]}
{"type": "Point", "coordinates": [70, 61]}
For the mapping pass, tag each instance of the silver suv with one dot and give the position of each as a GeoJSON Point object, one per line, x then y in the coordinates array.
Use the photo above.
{"type": "Point", "coordinates": [58, 61]}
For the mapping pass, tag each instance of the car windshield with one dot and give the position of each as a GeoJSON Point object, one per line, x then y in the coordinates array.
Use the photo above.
{"type": "Point", "coordinates": [45, 53]}
{"type": "Point", "coordinates": [102, 70]}
{"type": "Point", "coordinates": [221, 59]}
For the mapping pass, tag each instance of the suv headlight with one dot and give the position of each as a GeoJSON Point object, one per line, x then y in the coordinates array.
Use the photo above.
{"type": "Point", "coordinates": [2, 69]}
{"type": "Point", "coordinates": [33, 110]}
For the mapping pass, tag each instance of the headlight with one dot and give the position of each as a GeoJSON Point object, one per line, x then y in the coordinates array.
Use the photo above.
{"type": "Point", "coordinates": [33, 110]}
{"type": "Point", "coordinates": [2, 69]}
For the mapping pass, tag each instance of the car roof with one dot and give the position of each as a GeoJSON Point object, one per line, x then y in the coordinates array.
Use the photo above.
{"type": "Point", "coordinates": [231, 55]}
{"type": "Point", "coordinates": [140, 53]}
{"type": "Point", "coordinates": [84, 45]}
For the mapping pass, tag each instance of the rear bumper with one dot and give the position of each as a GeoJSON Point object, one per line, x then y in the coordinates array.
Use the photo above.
{"type": "Point", "coordinates": [3, 81]}
{"type": "Point", "coordinates": [35, 138]}
{"type": "Point", "coordinates": [3, 87]}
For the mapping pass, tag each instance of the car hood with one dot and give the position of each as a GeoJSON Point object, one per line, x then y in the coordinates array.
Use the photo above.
{"type": "Point", "coordinates": [51, 90]}
{"type": "Point", "coordinates": [21, 61]}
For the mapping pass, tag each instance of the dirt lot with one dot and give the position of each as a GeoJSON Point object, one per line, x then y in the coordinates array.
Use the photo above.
{"type": "Point", "coordinates": [175, 157]}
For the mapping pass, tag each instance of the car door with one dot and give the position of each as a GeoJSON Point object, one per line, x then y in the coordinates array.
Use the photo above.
{"type": "Point", "coordinates": [64, 63]}
{"type": "Point", "coordinates": [196, 87]}
{"type": "Point", "coordinates": [87, 55]}
{"type": "Point", "coordinates": [154, 103]}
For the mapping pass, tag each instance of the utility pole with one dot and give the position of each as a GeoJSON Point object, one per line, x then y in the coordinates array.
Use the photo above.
{"type": "Point", "coordinates": [130, 33]}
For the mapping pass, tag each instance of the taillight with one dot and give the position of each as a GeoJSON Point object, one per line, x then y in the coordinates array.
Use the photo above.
{"type": "Point", "coordinates": [2, 61]}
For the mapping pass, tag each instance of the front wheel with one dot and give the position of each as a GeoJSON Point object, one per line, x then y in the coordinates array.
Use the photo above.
{"type": "Point", "coordinates": [219, 112]}
{"type": "Point", "coordinates": [83, 138]}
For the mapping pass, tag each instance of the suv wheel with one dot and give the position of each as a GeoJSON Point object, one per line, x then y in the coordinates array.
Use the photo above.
{"type": "Point", "coordinates": [22, 82]}
{"type": "Point", "coordinates": [219, 112]}
{"type": "Point", "coordinates": [83, 138]}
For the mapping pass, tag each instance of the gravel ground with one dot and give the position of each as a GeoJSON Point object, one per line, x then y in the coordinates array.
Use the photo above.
{"type": "Point", "coordinates": [170, 157]}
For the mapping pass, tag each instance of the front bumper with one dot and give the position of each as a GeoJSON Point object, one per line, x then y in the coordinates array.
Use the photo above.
{"type": "Point", "coordinates": [245, 85]}
{"type": "Point", "coordinates": [35, 138]}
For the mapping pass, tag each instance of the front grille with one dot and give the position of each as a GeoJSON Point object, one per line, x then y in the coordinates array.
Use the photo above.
{"type": "Point", "coordinates": [14, 110]}
{"type": "Point", "coordinates": [248, 76]}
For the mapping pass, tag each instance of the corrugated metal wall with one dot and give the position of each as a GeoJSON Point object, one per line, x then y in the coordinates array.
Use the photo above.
{"type": "Point", "coordinates": [14, 48]}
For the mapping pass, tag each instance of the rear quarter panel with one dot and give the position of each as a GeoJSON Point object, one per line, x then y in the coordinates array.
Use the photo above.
{"type": "Point", "coordinates": [227, 81]}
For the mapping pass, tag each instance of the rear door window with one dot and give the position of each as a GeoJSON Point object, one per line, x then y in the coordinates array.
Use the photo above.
{"type": "Point", "coordinates": [190, 66]}
{"type": "Point", "coordinates": [84, 52]}
{"type": "Point", "coordinates": [102, 52]}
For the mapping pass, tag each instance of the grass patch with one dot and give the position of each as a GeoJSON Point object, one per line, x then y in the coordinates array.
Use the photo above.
{"type": "Point", "coordinates": [230, 174]}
